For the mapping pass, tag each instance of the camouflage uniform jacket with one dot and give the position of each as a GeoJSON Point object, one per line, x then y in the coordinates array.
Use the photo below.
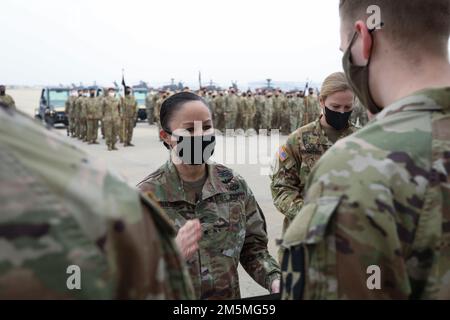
{"type": "Point", "coordinates": [293, 164]}
{"type": "Point", "coordinates": [110, 109]}
{"type": "Point", "coordinates": [69, 106]}
{"type": "Point", "coordinates": [79, 105]}
{"type": "Point", "coordinates": [312, 109]}
{"type": "Point", "coordinates": [231, 103]}
{"type": "Point", "coordinates": [378, 200]}
{"type": "Point", "coordinates": [233, 226]}
{"type": "Point", "coordinates": [128, 108]}
{"type": "Point", "coordinates": [60, 208]}
{"type": "Point", "coordinates": [8, 100]}
{"type": "Point", "coordinates": [92, 108]}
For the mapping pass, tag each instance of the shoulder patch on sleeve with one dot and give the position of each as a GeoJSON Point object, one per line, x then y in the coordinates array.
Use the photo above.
{"type": "Point", "coordinates": [282, 154]}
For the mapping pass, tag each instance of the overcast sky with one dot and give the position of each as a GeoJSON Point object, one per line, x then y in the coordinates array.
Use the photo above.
{"type": "Point", "coordinates": [65, 41]}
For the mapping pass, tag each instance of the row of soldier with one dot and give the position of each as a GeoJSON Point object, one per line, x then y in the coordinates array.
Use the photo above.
{"type": "Point", "coordinates": [87, 108]}
{"type": "Point", "coordinates": [262, 109]}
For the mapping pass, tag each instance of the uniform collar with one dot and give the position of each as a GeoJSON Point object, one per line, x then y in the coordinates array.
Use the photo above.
{"type": "Point", "coordinates": [424, 100]}
{"type": "Point", "coordinates": [214, 183]}
{"type": "Point", "coordinates": [323, 139]}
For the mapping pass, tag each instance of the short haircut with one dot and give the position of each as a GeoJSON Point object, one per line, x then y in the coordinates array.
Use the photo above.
{"type": "Point", "coordinates": [406, 23]}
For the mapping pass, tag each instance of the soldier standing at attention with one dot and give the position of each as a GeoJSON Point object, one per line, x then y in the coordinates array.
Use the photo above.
{"type": "Point", "coordinates": [304, 147]}
{"type": "Point", "coordinates": [276, 110]}
{"type": "Point", "coordinates": [6, 99]}
{"type": "Point", "coordinates": [162, 96]}
{"type": "Point", "coordinates": [266, 112]}
{"type": "Point", "coordinates": [285, 114]}
{"type": "Point", "coordinates": [111, 118]}
{"type": "Point", "coordinates": [83, 115]}
{"type": "Point", "coordinates": [104, 95]}
{"type": "Point", "coordinates": [219, 109]}
{"type": "Point", "coordinates": [190, 187]}
{"type": "Point", "coordinates": [231, 109]}
{"type": "Point", "coordinates": [77, 112]}
{"type": "Point", "coordinates": [242, 106]}
{"type": "Point", "coordinates": [149, 107]}
{"type": "Point", "coordinates": [92, 116]}
{"type": "Point", "coordinates": [379, 199]}
{"type": "Point", "coordinates": [249, 112]}
{"type": "Point", "coordinates": [300, 107]}
{"type": "Point", "coordinates": [295, 108]}
{"type": "Point", "coordinates": [129, 114]}
{"type": "Point", "coordinates": [259, 104]}
{"type": "Point", "coordinates": [69, 108]}
{"type": "Point", "coordinates": [312, 108]}
{"type": "Point", "coordinates": [66, 213]}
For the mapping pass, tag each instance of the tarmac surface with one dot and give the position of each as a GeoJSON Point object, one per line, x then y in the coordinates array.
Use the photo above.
{"type": "Point", "coordinates": [249, 156]}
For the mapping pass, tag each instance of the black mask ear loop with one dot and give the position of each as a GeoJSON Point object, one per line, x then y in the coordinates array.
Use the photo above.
{"type": "Point", "coordinates": [165, 143]}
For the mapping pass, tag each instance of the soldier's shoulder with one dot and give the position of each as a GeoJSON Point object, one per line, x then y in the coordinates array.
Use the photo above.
{"type": "Point", "coordinates": [296, 136]}
{"type": "Point", "coordinates": [154, 180]}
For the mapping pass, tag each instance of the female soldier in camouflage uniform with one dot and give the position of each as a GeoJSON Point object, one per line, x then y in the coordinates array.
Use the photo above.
{"type": "Point", "coordinates": [188, 188]}
{"type": "Point", "coordinates": [304, 147]}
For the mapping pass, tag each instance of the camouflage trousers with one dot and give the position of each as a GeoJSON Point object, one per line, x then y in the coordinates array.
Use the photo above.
{"type": "Point", "coordinates": [76, 125]}
{"type": "Point", "coordinates": [276, 120]}
{"type": "Point", "coordinates": [111, 131]}
{"type": "Point", "coordinates": [230, 121]}
{"type": "Point", "coordinates": [92, 130]}
{"type": "Point", "coordinates": [257, 121]}
{"type": "Point", "coordinates": [121, 131]}
{"type": "Point", "coordinates": [128, 126]}
{"type": "Point", "coordinates": [248, 121]}
{"type": "Point", "coordinates": [294, 122]}
{"type": "Point", "coordinates": [285, 123]}
{"type": "Point", "coordinates": [150, 118]}
{"type": "Point", "coordinates": [239, 123]}
{"type": "Point", "coordinates": [83, 129]}
{"type": "Point", "coordinates": [219, 122]}
{"type": "Point", "coordinates": [70, 126]}
{"type": "Point", "coordinates": [266, 120]}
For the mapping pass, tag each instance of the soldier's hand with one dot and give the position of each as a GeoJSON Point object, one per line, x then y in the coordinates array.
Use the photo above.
{"type": "Point", "coordinates": [275, 286]}
{"type": "Point", "coordinates": [188, 237]}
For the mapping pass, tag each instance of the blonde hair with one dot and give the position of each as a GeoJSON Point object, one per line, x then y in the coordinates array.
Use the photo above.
{"type": "Point", "coordinates": [335, 82]}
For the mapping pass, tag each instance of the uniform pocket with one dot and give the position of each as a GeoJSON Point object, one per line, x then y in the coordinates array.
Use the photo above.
{"type": "Point", "coordinates": [305, 257]}
{"type": "Point", "coordinates": [230, 229]}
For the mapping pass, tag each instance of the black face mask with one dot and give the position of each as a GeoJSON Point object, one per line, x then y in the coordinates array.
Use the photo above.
{"type": "Point", "coordinates": [337, 120]}
{"type": "Point", "coordinates": [127, 93]}
{"type": "Point", "coordinates": [358, 78]}
{"type": "Point", "coordinates": [194, 150]}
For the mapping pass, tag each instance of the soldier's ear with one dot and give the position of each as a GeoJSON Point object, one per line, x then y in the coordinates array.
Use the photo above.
{"type": "Point", "coordinates": [165, 137]}
{"type": "Point", "coordinates": [322, 102]}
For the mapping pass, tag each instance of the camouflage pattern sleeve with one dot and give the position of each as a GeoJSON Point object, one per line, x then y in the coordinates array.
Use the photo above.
{"type": "Point", "coordinates": [375, 224]}
{"type": "Point", "coordinates": [345, 227]}
{"type": "Point", "coordinates": [286, 185]}
{"type": "Point", "coordinates": [148, 246]}
{"type": "Point", "coordinates": [255, 257]}
{"type": "Point", "coordinates": [61, 208]}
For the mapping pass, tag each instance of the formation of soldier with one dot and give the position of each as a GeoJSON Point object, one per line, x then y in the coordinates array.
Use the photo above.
{"type": "Point", "coordinates": [262, 109]}
{"type": "Point", "coordinates": [89, 109]}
